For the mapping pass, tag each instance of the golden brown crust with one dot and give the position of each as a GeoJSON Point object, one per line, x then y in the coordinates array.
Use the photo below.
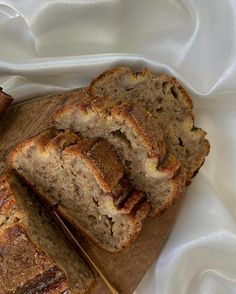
{"type": "Point", "coordinates": [25, 267]}
{"type": "Point", "coordinates": [103, 162]}
{"type": "Point", "coordinates": [5, 101]}
{"type": "Point", "coordinates": [108, 167]}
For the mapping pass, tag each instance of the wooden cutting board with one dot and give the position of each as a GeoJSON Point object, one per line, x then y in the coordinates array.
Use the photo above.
{"type": "Point", "coordinates": [124, 270]}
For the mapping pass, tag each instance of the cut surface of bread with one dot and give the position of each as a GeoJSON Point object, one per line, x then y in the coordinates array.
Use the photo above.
{"type": "Point", "coordinates": [83, 179]}
{"type": "Point", "coordinates": [168, 102]}
{"type": "Point", "coordinates": [138, 140]}
{"type": "Point", "coordinates": [5, 101]}
{"type": "Point", "coordinates": [35, 258]}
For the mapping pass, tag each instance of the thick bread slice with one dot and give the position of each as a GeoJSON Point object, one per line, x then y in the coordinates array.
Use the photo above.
{"type": "Point", "coordinates": [168, 102]}
{"type": "Point", "coordinates": [5, 101]}
{"type": "Point", "coordinates": [138, 140]}
{"type": "Point", "coordinates": [35, 258]}
{"type": "Point", "coordinates": [84, 179]}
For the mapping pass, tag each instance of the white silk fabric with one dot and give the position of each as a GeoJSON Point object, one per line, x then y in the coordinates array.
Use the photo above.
{"type": "Point", "coordinates": [49, 46]}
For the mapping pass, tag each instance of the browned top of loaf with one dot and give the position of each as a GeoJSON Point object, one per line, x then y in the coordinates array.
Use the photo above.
{"type": "Point", "coordinates": [24, 266]}
{"type": "Point", "coordinates": [125, 71]}
{"type": "Point", "coordinates": [5, 101]}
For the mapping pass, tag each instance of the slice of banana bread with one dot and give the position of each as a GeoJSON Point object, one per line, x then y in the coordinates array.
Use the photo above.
{"type": "Point", "coordinates": [138, 140]}
{"type": "Point", "coordinates": [83, 179]}
{"type": "Point", "coordinates": [35, 258]}
{"type": "Point", "coordinates": [168, 102]}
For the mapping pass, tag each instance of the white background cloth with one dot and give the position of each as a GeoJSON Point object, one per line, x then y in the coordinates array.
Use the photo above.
{"type": "Point", "coordinates": [48, 46]}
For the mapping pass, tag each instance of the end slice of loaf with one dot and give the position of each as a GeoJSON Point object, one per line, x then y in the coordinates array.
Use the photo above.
{"type": "Point", "coordinates": [83, 179]}
{"type": "Point", "coordinates": [138, 140]}
{"type": "Point", "coordinates": [168, 102]}
{"type": "Point", "coordinates": [5, 101]}
{"type": "Point", "coordinates": [35, 258]}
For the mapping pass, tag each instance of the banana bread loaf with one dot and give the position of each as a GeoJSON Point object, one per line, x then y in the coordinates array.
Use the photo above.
{"type": "Point", "coordinates": [83, 179]}
{"type": "Point", "coordinates": [35, 258]}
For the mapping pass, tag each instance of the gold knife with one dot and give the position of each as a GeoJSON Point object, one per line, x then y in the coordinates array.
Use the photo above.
{"type": "Point", "coordinates": [77, 245]}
